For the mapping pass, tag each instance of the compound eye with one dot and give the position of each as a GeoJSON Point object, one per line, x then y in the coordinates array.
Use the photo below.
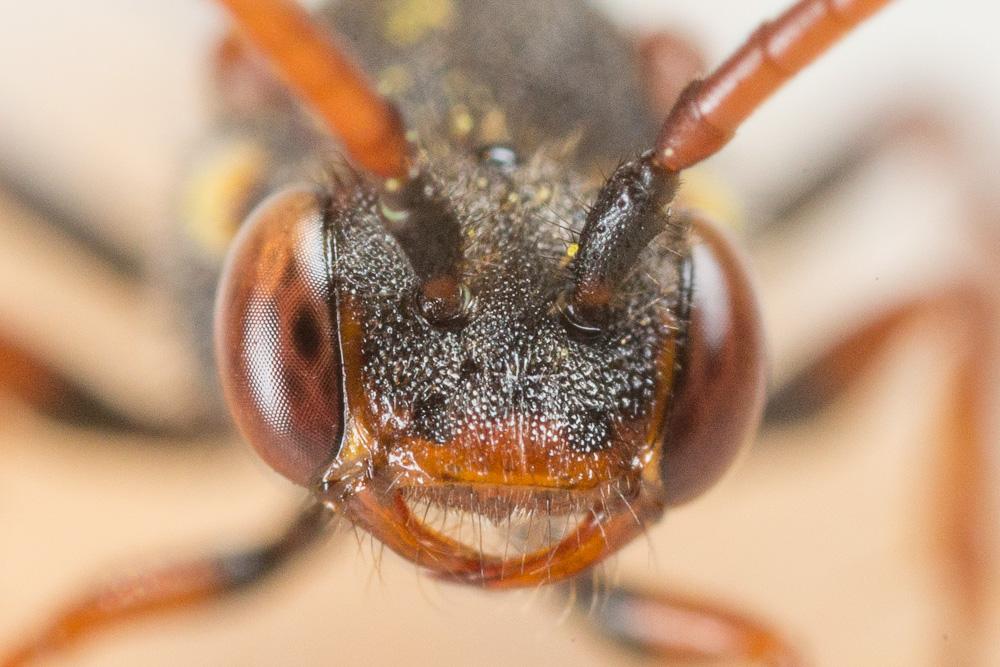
{"type": "Point", "coordinates": [719, 392]}
{"type": "Point", "coordinates": [276, 340]}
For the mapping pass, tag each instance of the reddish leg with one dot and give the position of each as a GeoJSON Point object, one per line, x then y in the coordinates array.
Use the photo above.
{"type": "Point", "coordinates": [968, 316]}
{"type": "Point", "coordinates": [126, 368]}
{"type": "Point", "coordinates": [961, 505]}
{"type": "Point", "coordinates": [895, 126]}
{"type": "Point", "coordinates": [967, 464]}
{"type": "Point", "coordinates": [171, 587]}
{"type": "Point", "coordinates": [678, 628]}
{"type": "Point", "coordinates": [839, 368]}
{"type": "Point", "coordinates": [669, 62]}
{"type": "Point", "coordinates": [244, 82]}
{"type": "Point", "coordinates": [34, 383]}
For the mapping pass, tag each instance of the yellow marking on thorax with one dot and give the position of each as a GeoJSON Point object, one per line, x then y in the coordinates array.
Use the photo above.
{"type": "Point", "coordinates": [702, 190]}
{"type": "Point", "coordinates": [493, 127]}
{"type": "Point", "coordinates": [461, 121]}
{"type": "Point", "coordinates": [410, 21]}
{"type": "Point", "coordinates": [216, 198]}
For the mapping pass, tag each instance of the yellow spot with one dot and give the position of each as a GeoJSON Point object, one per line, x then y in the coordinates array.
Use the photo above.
{"type": "Point", "coordinates": [571, 251]}
{"type": "Point", "coordinates": [513, 198]}
{"type": "Point", "coordinates": [461, 121]}
{"type": "Point", "coordinates": [542, 195]}
{"type": "Point", "coordinates": [703, 191]}
{"type": "Point", "coordinates": [409, 21]}
{"type": "Point", "coordinates": [218, 194]}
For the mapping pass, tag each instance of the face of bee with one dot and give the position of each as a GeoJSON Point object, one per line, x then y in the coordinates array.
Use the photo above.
{"type": "Point", "coordinates": [510, 407]}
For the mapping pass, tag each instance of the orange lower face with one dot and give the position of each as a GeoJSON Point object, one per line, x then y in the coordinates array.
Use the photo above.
{"type": "Point", "coordinates": [570, 543]}
{"type": "Point", "coordinates": [501, 504]}
{"type": "Point", "coordinates": [517, 511]}
{"type": "Point", "coordinates": [502, 501]}
{"type": "Point", "coordinates": [520, 455]}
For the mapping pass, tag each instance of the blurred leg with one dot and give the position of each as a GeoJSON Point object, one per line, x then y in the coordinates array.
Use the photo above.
{"type": "Point", "coordinates": [33, 383]}
{"type": "Point", "coordinates": [76, 315]}
{"type": "Point", "coordinates": [836, 370]}
{"type": "Point", "coordinates": [170, 587]}
{"type": "Point", "coordinates": [669, 62]}
{"type": "Point", "coordinates": [894, 127]}
{"type": "Point", "coordinates": [962, 502]}
{"type": "Point", "coordinates": [680, 629]}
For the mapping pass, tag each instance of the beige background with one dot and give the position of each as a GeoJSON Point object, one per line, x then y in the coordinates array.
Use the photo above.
{"type": "Point", "coordinates": [825, 530]}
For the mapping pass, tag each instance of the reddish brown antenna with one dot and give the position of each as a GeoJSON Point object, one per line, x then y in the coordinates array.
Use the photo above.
{"type": "Point", "coordinates": [708, 112]}
{"type": "Point", "coordinates": [335, 88]}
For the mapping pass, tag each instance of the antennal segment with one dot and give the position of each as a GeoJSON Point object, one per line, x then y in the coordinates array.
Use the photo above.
{"type": "Point", "coordinates": [708, 112]}
{"type": "Point", "coordinates": [333, 86]}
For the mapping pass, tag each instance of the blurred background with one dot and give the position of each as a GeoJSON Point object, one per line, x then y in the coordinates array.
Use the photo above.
{"type": "Point", "coordinates": [827, 528]}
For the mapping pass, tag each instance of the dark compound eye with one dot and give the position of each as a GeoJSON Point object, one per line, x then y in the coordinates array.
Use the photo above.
{"type": "Point", "coordinates": [719, 390]}
{"type": "Point", "coordinates": [276, 341]}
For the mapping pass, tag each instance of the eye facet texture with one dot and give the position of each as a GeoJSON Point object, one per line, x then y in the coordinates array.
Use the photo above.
{"type": "Point", "coordinates": [276, 339]}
